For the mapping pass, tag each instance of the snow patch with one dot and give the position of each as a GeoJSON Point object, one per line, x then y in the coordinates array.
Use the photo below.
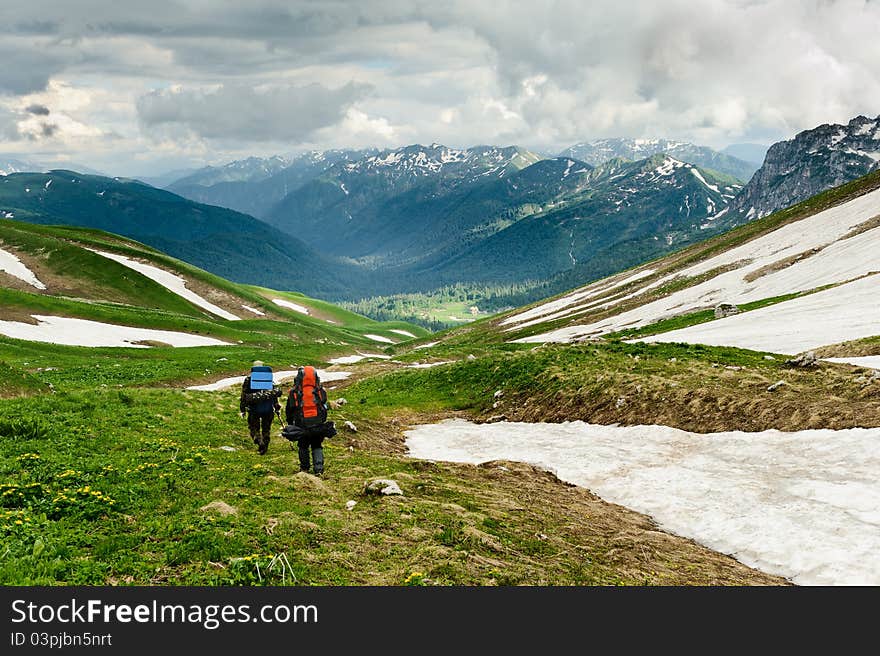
{"type": "Point", "coordinates": [291, 306]}
{"type": "Point", "coordinates": [378, 338]}
{"type": "Point", "coordinates": [866, 361]}
{"type": "Point", "coordinates": [279, 376]}
{"type": "Point", "coordinates": [82, 332]}
{"type": "Point", "coordinates": [351, 359]}
{"type": "Point", "coordinates": [9, 263]}
{"type": "Point", "coordinates": [699, 176]}
{"type": "Point", "coordinates": [169, 281]}
{"type": "Point", "coordinates": [254, 310]}
{"type": "Point", "coordinates": [428, 345]}
{"type": "Point", "coordinates": [402, 332]}
{"type": "Point", "coordinates": [804, 505]}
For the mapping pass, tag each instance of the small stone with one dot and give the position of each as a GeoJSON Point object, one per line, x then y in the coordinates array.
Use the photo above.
{"type": "Point", "coordinates": [220, 507]}
{"type": "Point", "coordinates": [350, 504]}
{"type": "Point", "coordinates": [620, 402]}
{"type": "Point", "coordinates": [383, 486]}
{"type": "Point", "coordinates": [471, 357]}
{"type": "Point", "coordinates": [775, 386]}
{"type": "Point", "coordinates": [341, 401]}
{"type": "Point", "coordinates": [228, 448]}
{"type": "Point", "coordinates": [769, 357]}
{"type": "Point", "coordinates": [350, 426]}
{"type": "Point", "coordinates": [807, 359]}
{"type": "Point", "coordinates": [725, 310]}
{"type": "Point", "coordinates": [498, 394]}
{"type": "Point", "coordinates": [733, 367]}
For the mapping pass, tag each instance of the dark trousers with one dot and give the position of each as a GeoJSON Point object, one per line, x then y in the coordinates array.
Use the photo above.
{"type": "Point", "coordinates": [260, 425]}
{"type": "Point", "coordinates": [312, 444]}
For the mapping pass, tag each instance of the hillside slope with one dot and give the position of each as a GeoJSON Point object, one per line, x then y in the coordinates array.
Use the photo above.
{"type": "Point", "coordinates": [806, 275]}
{"type": "Point", "coordinates": [230, 244]}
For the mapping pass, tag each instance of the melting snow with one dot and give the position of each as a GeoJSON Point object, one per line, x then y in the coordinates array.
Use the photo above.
{"type": "Point", "coordinates": [866, 361]}
{"type": "Point", "coordinates": [290, 306]}
{"type": "Point", "coordinates": [699, 176]}
{"type": "Point", "coordinates": [351, 359]}
{"type": "Point", "coordinates": [427, 365]}
{"type": "Point", "coordinates": [169, 281]}
{"type": "Point", "coordinates": [82, 332]}
{"type": "Point", "coordinates": [280, 377]}
{"type": "Point", "coordinates": [839, 314]}
{"type": "Point", "coordinates": [428, 345]}
{"type": "Point", "coordinates": [254, 310]}
{"type": "Point", "coordinates": [804, 505]}
{"type": "Point", "coordinates": [378, 338]}
{"type": "Point", "coordinates": [10, 264]}
{"type": "Point", "coordinates": [402, 332]}
{"type": "Point", "coordinates": [837, 260]}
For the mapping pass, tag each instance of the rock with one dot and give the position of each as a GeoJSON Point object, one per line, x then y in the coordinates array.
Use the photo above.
{"type": "Point", "coordinates": [769, 357]}
{"type": "Point", "coordinates": [725, 310]}
{"type": "Point", "coordinates": [219, 507]}
{"type": "Point", "coordinates": [350, 504]}
{"type": "Point", "coordinates": [341, 401]}
{"type": "Point", "coordinates": [496, 404]}
{"type": "Point", "coordinates": [498, 394]}
{"type": "Point", "coordinates": [733, 367]}
{"type": "Point", "coordinates": [228, 448]}
{"type": "Point", "coordinates": [495, 418]}
{"type": "Point", "coordinates": [383, 486]}
{"type": "Point", "coordinates": [620, 402]}
{"type": "Point", "coordinates": [775, 386]}
{"type": "Point", "coordinates": [350, 426]}
{"type": "Point", "coordinates": [222, 359]}
{"type": "Point", "coordinates": [807, 359]}
{"type": "Point", "coordinates": [471, 357]}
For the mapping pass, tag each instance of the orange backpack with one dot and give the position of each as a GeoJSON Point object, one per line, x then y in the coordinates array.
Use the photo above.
{"type": "Point", "coordinates": [309, 398]}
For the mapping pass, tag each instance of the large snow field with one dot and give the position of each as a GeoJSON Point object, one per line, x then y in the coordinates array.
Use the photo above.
{"type": "Point", "coordinates": [82, 332]}
{"type": "Point", "coordinates": [10, 264]}
{"type": "Point", "coordinates": [169, 281]}
{"type": "Point", "coordinates": [839, 314]}
{"type": "Point", "coordinates": [279, 376]}
{"type": "Point", "coordinates": [799, 256]}
{"type": "Point", "coordinates": [804, 505]}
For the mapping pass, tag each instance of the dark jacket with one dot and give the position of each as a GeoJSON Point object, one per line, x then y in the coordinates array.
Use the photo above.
{"type": "Point", "coordinates": [261, 407]}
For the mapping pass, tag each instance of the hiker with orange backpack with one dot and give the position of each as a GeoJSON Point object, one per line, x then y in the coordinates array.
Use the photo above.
{"type": "Point", "coordinates": [306, 413]}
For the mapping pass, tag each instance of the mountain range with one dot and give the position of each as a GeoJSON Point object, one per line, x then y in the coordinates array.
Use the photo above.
{"type": "Point", "coordinates": [602, 150]}
{"type": "Point", "coordinates": [417, 218]}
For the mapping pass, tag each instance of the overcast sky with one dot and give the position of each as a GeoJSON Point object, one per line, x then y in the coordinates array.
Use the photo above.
{"type": "Point", "coordinates": [133, 87]}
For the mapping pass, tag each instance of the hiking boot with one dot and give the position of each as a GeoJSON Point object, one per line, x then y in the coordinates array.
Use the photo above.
{"type": "Point", "coordinates": [263, 447]}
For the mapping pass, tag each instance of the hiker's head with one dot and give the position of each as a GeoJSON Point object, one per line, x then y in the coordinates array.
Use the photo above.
{"type": "Point", "coordinates": [258, 363]}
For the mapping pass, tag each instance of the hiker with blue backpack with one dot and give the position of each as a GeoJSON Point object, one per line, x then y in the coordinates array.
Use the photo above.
{"type": "Point", "coordinates": [259, 398]}
{"type": "Point", "coordinates": [307, 425]}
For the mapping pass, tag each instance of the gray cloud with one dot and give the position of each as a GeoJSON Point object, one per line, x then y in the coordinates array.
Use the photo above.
{"type": "Point", "coordinates": [289, 113]}
{"type": "Point", "coordinates": [539, 73]}
{"type": "Point", "coordinates": [38, 110]}
{"type": "Point", "coordinates": [26, 68]}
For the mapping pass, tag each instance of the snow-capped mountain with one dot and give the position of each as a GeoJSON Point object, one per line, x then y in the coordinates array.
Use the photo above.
{"type": "Point", "coordinates": [251, 169]}
{"type": "Point", "coordinates": [811, 162]}
{"type": "Point", "coordinates": [621, 213]}
{"type": "Point", "coordinates": [362, 195]}
{"type": "Point", "coordinates": [601, 150]}
{"type": "Point", "coordinates": [10, 165]}
{"type": "Point", "coordinates": [255, 184]}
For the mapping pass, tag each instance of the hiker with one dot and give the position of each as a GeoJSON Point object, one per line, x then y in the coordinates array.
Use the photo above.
{"type": "Point", "coordinates": [306, 413]}
{"type": "Point", "coordinates": [259, 398]}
